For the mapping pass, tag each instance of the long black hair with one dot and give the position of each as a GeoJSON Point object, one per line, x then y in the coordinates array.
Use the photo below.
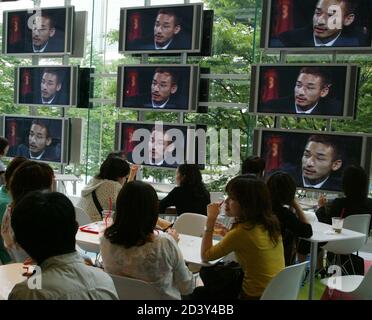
{"type": "Point", "coordinates": [113, 168]}
{"type": "Point", "coordinates": [192, 180]}
{"type": "Point", "coordinates": [282, 189]}
{"type": "Point", "coordinates": [355, 183]}
{"type": "Point", "coordinates": [136, 215]}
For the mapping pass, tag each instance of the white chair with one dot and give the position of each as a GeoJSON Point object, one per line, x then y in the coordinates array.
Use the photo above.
{"type": "Point", "coordinates": [192, 224]}
{"type": "Point", "coordinates": [134, 289]}
{"type": "Point", "coordinates": [286, 284]}
{"type": "Point", "coordinates": [82, 217]}
{"type": "Point", "coordinates": [357, 222]}
{"type": "Point", "coordinates": [357, 287]}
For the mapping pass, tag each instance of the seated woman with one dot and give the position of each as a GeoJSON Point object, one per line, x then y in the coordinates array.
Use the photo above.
{"type": "Point", "coordinates": [104, 188]}
{"type": "Point", "coordinates": [29, 176]}
{"type": "Point", "coordinates": [254, 237]}
{"type": "Point", "coordinates": [190, 195]}
{"type": "Point", "coordinates": [292, 220]}
{"type": "Point", "coordinates": [132, 247]}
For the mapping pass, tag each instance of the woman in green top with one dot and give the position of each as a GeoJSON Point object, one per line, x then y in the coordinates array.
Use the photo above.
{"type": "Point", "coordinates": [5, 200]}
{"type": "Point", "coordinates": [255, 237]}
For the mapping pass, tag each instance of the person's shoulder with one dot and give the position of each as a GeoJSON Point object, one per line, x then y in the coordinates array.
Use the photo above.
{"type": "Point", "coordinates": [352, 37]}
{"type": "Point", "coordinates": [330, 106]}
{"type": "Point", "coordinates": [55, 44]}
{"type": "Point", "coordinates": [302, 37]}
{"type": "Point", "coordinates": [145, 43]}
{"type": "Point", "coordinates": [280, 105]}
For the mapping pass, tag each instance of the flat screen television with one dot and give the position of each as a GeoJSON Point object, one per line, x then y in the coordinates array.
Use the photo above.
{"type": "Point", "coordinates": [159, 145]}
{"type": "Point", "coordinates": [37, 138]}
{"type": "Point", "coordinates": [47, 31]}
{"type": "Point", "coordinates": [317, 26]}
{"type": "Point", "coordinates": [314, 159]}
{"type": "Point", "coordinates": [54, 86]}
{"type": "Point", "coordinates": [304, 90]}
{"type": "Point", "coordinates": [161, 29]}
{"type": "Point", "coordinates": [158, 87]}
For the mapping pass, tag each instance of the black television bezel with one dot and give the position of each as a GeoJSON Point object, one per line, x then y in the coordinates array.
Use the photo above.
{"type": "Point", "coordinates": [196, 32]}
{"type": "Point", "coordinates": [69, 30]}
{"type": "Point", "coordinates": [365, 157]}
{"type": "Point", "coordinates": [66, 136]}
{"type": "Point", "coordinates": [74, 83]}
{"type": "Point", "coordinates": [350, 94]}
{"type": "Point", "coordinates": [189, 152]}
{"type": "Point", "coordinates": [193, 93]}
{"type": "Point", "coordinates": [266, 32]}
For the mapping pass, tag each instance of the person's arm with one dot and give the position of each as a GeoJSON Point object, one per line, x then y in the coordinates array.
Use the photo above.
{"type": "Point", "coordinates": [133, 172]}
{"type": "Point", "coordinates": [299, 227]}
{"type": "Point", "coordinates": [299, 212]}
{"type": "Point", "coordinates": [169, 200]}
{"type": "Point", "coordinates": [213, 210]}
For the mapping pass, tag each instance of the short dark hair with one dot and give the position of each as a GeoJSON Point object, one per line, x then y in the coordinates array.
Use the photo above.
{"type": "Point", "coordinates": [54, 72]}
{"type": "Point", "coordinates": [318, 72]}
{"type": "Point", "coordinates": [351, 5]}
{"type": "Point", "coordinates": [3, 144]}
{"type": "Point", "coordinates": [113, 168]}
{"type": "Point", "coordinates": [44, 225]}
{"type": "Point", "coordinates": [170, 12]}
{"type": "Point", "coordinates": [193, 180]}
{"type": "Point", "coordinates": [137, 208]}
{"type": "Point", "coordinates": [253, 164]}
{"type": "Point", "coordinates": [355, 182]}
{"type": "Point", "coordinates": [12, 166]}
{"type": "Point", "coordinates": [282, 188]}
{"type": "Point", "coordinates": [174, 76]}
{"type": "Point", "coordinates": [42, 123]}
{"type": "Point", "coordinates": [30, 176]}
{"type": "Point", "coordinates": [117, 153]}
{"type": "Point", "coordinates": [328, 141]}
{"type": "Point", "coordinates": [254, 199]}
{"type": "Point", "coordinates": [50, 18]}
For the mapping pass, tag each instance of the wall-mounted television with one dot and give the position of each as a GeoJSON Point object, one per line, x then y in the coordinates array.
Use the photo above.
{"type": "Point", "coordinates": [314, 159]}
{"type": "Point", "coordinates": [46, 86]}
{"type": "Point", "coordinates": [317, 26]}
{"type": "Point", "coordinates": [48, 31]}
{"type": "Point", "coordinates": [158, 87]}
{"type": "Point", "coordinates": [308, 90]}
{"type": "Point", "coordinates": [37, 138]}
{"type": "Point", "coordinates": [159, 145]}
{"type": "Point", "coordinates": [161, 29]}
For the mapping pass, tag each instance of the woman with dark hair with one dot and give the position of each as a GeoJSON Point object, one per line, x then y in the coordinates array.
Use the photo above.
{"type": "Point", "coordinates": [355, 187]}
{"type": "Point", "coordinates": [132, 247]}
{"type": "Point", "coordinates": [4, 147]}
{"type": "Point", "coordinates": [29, 176]}
{"type": "Point", "coordinates": [292, 219]}
{"type": "Point", "coordinates": [254, 237]}
{"type": "Point", "coordinates": [190, 195]}
{"type": "Point", "coordinates": [103, 189]}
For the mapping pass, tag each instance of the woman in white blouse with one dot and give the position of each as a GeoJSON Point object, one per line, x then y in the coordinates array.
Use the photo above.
{"type": "Point", "coordinates": [132, 247]}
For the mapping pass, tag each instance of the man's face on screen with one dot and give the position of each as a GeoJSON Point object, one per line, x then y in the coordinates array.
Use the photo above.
{"type": "Point", "coordinates": [318, 162]}
{"type": "Point", "coordinates": [38, 139]}
{"type": "Point", "coordinates": [322, 16]}
{"type": "Point", "coordinates": [158, 143]}
{"type": "Point", "coordinates": [49, 86]}
{"type": "Point", "coordinates": [308, 90]}
{"type": "Point", "coordinates": [165, 29]}
{"type": "Point", "coordinates": [41, 31]}
{"type": "Point", "coordinates": [162, 87]}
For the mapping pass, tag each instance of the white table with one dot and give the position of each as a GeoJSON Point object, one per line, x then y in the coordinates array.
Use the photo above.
{"type": "Point", "coordinates": [10, 275]}
{"type": "Point", "coordinates": [323, 232]}
{"type": "Point", "coordinates": [189, 246]}
{"type": "Point", "coordinates": [62, 178]}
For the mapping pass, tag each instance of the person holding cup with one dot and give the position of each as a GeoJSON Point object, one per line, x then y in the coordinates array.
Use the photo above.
{"type": "Point", "coordinates": [255, 237]}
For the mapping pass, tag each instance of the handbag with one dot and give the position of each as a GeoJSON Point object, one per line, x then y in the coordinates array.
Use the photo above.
{"type": "Point", "coordinates": [221, 281]}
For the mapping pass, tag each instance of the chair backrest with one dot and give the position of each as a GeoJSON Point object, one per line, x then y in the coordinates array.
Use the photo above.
{"type": "Point", "coordinates": [134, 289]}
{"type": "Point", "coordinates": [364, 290]}
{"type": "Point", "coordinates": [192, 224]}
{"type": "Point", "coordinates": [357, 222]}
{"type": "Point", "coordinates": [286, 284]}
{"type": "Point", "coordinates": [82, 217]}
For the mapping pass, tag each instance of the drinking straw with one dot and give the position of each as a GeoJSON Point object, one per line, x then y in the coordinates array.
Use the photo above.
{"type": "Point", "coordinates": [110, 204]}
{"type": "Point", "coordinates": [342, 213]}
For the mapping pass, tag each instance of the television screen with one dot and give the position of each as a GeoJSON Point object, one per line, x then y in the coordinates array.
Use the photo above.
{"type": "Point", "coordinates": [161, 29]}
{"type": "Point", "coordinates": [36, 138]}
{"type": "Point", "coordinates": [38, 32]}
{"type": "Point", "coordinates": [304, 90]}
{"type": "Point", "coordinates": [157, 144]}
{"type": "Point", "coordinates": [314, 159]}
{"type": "Point", "coordinates": [158, 87]}
{"type": "Point", "coordinates": [321, 24]}
{"type": "Point", "coordinates": [46, 85]}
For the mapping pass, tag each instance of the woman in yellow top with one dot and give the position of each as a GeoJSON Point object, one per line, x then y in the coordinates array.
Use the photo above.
{"type": "Point", "coordinates": [255, 237]}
